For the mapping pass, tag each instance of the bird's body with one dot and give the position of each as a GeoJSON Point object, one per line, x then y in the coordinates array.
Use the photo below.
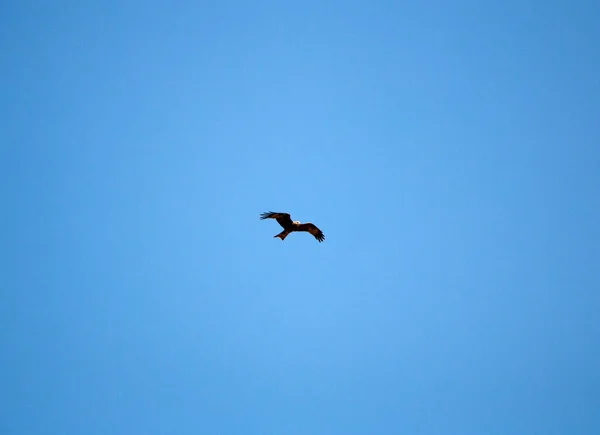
{"type": "Point", "coordinates": [290, 226]}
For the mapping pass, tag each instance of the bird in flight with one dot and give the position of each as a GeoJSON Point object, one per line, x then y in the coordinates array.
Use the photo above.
{"type": "Point", "coordinates": [290, 226]}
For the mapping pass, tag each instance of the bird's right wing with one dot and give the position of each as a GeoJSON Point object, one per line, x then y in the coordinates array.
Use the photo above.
{"type": "Point", "coordinates": [283, 219]}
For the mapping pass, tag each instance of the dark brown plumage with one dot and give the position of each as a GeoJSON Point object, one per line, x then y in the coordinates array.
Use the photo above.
{"type": "Point", "coordinates": [290, 226]}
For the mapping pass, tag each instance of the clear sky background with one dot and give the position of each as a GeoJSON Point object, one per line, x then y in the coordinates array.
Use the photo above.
{"type": "Point", "coordinates": [450, 152]}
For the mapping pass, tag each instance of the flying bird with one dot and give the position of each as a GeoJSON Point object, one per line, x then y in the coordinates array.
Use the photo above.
{"type": "Point", "coordinates": [290, 226]}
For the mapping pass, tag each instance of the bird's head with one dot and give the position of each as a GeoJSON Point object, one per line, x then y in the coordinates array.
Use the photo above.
{"type": "Point", "coordinates": [296, 222]}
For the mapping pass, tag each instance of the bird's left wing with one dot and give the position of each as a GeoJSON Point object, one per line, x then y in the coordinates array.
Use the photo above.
{"type": "Point", "coordinates": [313, 229]}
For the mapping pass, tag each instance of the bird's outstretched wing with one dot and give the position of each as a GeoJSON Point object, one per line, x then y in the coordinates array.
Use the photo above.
{"type": "Point", "coordinates": [312, 228]}
{"type": "Point", "coordinates": [282, 218]}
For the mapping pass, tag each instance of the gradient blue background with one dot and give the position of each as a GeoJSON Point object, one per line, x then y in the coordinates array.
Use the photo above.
{"type": "Point", "coordinates": [450, 151]}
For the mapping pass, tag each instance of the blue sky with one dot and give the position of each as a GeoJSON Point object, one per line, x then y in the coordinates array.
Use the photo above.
{"type": "Point", "coordinates": [448, 150]}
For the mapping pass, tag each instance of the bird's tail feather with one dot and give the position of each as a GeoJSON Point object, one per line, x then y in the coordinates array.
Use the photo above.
{"type": "Point", "coordinates": [282, 235]}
